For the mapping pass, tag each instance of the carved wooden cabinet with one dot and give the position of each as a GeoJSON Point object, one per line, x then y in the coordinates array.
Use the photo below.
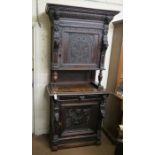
{"type": "Point", "coordinates": [78, 46]}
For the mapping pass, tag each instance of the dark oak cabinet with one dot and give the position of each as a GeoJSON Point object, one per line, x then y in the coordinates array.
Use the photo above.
{"type": "Point", "coordinates": [78, 46]}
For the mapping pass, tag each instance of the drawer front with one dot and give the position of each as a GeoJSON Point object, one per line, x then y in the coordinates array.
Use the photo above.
{"type": "Point", "coordinates": [79, 117]}
{"type": "Point", "coordinates": [79, 98]}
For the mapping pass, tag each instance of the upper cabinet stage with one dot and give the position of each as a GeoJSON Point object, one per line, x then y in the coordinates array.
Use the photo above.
{"type": "Point", "coordinates": [79, 37]}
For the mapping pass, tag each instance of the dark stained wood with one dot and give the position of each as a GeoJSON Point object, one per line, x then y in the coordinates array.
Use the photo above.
{"type": "Point", "coordinates": [77, 103]}
{"type": "Point", "coordinates": [73, 76]}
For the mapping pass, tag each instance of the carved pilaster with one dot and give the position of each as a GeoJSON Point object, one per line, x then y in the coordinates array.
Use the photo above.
{"type": "Point", "coordinates": [56, 132]}
{"type": "Point", "coordinates": [56, 14]}
{"type": "Point", "coordinates": [56, 34]}
{"type": "Point", "coordinates": [54, 137]}
{"type": "Point", "coordinates": [106, 21]}
{"type": "Point", "coordinates": [104, 42]}
{"type": "Point", "coordinates": [105, 38]}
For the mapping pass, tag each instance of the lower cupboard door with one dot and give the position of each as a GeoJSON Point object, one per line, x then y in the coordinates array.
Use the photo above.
{"type": "Point", "coordinates": [79, 118]}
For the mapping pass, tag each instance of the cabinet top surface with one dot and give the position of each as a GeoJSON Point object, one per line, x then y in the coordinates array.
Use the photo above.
{"type": "Point", "coordinates": [77, 89]}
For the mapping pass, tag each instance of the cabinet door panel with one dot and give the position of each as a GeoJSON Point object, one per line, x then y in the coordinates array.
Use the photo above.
{"type": "Point", "coordinates": [80, 48]}
{"type": "Point", "coordinates": [79, 118]}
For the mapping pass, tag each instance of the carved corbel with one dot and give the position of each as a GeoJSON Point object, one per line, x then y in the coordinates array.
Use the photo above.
{"type": "Point", "coordinates": [105, 33]}
{"type": "Point", "coordinates": [56, 14]}
{"type": "Point", "coordinates": [107, 20]}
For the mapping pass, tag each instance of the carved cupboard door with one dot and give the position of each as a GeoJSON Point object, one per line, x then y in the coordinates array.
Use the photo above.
{"type": "Point", "coordinates": [80, 44]}
{"type": "Point", "coordinates": [79, 118]}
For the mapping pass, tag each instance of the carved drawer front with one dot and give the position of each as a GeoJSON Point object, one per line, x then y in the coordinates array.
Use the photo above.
{"type": "Point", "coordinates": [79, 117]}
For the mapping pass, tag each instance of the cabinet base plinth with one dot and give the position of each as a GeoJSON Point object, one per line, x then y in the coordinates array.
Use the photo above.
{"type": "Point", "coordinates": [76, 144]}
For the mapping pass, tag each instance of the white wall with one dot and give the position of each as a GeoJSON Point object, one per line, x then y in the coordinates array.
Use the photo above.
{"type": "Point", "coordinates": [41, 55]}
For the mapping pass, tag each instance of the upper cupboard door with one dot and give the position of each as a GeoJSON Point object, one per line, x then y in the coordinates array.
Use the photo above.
{"type": "Point", "coordinates": [81, 45]}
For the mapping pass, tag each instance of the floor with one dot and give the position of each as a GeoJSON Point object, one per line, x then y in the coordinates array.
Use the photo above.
{"type": "Point", "coordinates": [40, 146]}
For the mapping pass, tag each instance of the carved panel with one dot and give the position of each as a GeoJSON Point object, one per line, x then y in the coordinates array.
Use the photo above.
{"type": "Point", "coordinates": [76, 118]}
{"type": "Point", "coordinates": [80, 48]}
{"type": "Point", "coordinates": [57, 32]}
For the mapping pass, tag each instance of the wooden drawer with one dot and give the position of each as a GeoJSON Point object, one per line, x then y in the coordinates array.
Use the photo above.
{"type": "Point", "coordinates": [79, 98]}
